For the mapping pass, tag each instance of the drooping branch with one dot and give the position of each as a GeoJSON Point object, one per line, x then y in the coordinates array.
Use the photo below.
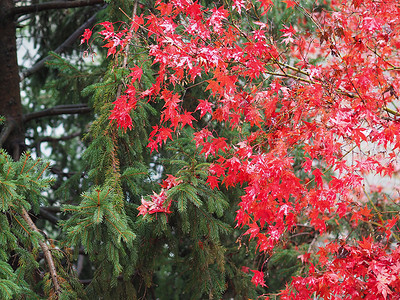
{"type": "Point", "coordinates": [23, 10]}
{"type": "Point", "coordinates": [48, 216]}
{"type": "Point", "coordinates": [72, 38]}
{"type": "Point", "coordinates": [50, 139]}
{"type": "Point", "coordinates": [6, 131]}
{"type": "Point", "coordinates": [53, 139]}
{"type": "Point", "coordinates": [46, 252]}
{"type": "Point", "coordinates": [59, 172]}
{"type": "Point", "coordinates": [58, 110]}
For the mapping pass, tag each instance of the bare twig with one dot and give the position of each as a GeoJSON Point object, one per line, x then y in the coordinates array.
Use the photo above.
{"type": "Point", "coordinates": [63, 138]}
{"type": "Point", "coordinates": [59, 172]}
{"type": "Point", "coordinates": [48, 216]}
{"type": "Point", "coordinates": [58, 110]}
{"type": "Point", "coordinates": [46, 252]}
{"type": "Point", "coordinates": [125, 62]}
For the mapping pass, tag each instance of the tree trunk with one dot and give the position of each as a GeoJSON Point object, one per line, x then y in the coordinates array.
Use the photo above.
{"type": "Point", "coordinates": [12, 135]}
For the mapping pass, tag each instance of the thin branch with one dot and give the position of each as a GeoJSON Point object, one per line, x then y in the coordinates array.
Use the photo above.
{"type": "Point", "coordinates": [6, 131]}
{"type": "Point", "coordinates": [89, 281]}
{"type": "Point", "coordinates": [391, 111]}
{"type": "Point", "coordinates": [125, 63]}
{"type": "Point", "coordinates": [48, 216]}
{"type": "Point", "coordinates": [23, 10]}
{"type": "Point", "coordinates": [59, 172]}
{"type": "Point", "coordinates": [52, 209]}
{"type": "Point", "coordinates": [46, 252]}
{"type": "Point", "coordinates": [58, 110]}
{"type": "Point", "coordinates": [72, 38]}
{"type": "Point", "coordinates": [52, 139]}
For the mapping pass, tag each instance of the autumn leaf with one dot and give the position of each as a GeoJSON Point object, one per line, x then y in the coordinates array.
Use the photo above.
{"type": "Point", "coordinates": [258, 278]}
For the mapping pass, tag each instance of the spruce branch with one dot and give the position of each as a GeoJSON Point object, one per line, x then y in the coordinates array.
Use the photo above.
{"type": "Point", "coordinates": [58, 110]}
{"type": "Point", "coordinates": [46, 252]}
{"type": "Point", "coordinates": [23, 10]}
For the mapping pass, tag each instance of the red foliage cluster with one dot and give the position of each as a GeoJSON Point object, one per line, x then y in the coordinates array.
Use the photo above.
{"type": "Point", "coordinates": [345, 104]}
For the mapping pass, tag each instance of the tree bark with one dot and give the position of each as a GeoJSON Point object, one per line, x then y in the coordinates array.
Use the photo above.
{"type": "Point", "coordinates": [22, 10]}
{"type": "Point", "coordinates": [12, 134]}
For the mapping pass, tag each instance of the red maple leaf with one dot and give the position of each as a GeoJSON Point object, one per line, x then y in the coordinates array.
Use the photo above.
{"type": "Point", "coordinates": [318, 177]}
{"type": "Point", "coordinates": [121, 112]}
{"type": "Point", "coordinates": [156, 205]}
{"type": "Point", "coordinates": [258, 278]}
{"type": "Point", "coordinates": [204, 107]}
{"type": "Point", "coordinates": [170, 182]}
{"type": "Point", "coordinates": [136, 73]}
{"type": "Point", "coordinates": [86, 36]}
{"type": "Point", "coordinates": [213, 181]}
{"type": "Point", "coordinates": [290, 3]}
{"type": "Point", "coordinates": [186, 119]}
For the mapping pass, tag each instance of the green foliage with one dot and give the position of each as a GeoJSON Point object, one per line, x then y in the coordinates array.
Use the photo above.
{"type": "Point", "coordinates": [282, 265]}
{"type": "Point", "coordinates": [98, 218]}
{"type": "Point", "coordinates": [21, 182]}
{"type": "Point", "coordinates": [22, 186]}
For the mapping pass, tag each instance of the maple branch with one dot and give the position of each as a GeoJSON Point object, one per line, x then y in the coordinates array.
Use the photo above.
{"type": "Point", "coordinates": [46, 252]}
{"type": "Point", "coordinates": [382, 226]}
{"type": "Point", "coordinates": [23, 10]}
{"type": "Point", "coordinates": [380, 56]}
{"type": "Point", "coordinates": [379, 214]}
{"type": "Point", "coordinates": [373, 205]}
{"type": "Point", "coordinates": [297, 70]}
{"type": "Point", "coordinates": [58, 110]}
{"type": "Point", "coordinates": [391, 111]}
{"type": "Point", "coordinates": [125, 62]}
{"type": "Point", "coordinates": [289, 76]}
{"type": "Point", "coordinates": [332, 166]}
{"type": "Point", "coordinates": [72, 38]}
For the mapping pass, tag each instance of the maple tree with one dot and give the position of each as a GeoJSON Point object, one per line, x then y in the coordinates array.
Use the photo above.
{"type": "Point", "coordinates": [325, 96]}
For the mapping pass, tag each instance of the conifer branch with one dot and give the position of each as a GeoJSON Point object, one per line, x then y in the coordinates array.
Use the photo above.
{"type": "Point", "coordinates": [23, 10]}
{"type": "Point", "coordinates": [72, 38]}
{"type": "Point", "coordinates": [48, 216]}
{"type": "Point", "coordinates": [46, 252]}
{"type": "Point", "coordinates": [52, 139]}
{"type": "Point", "coordinates": [6, 131]}
{"type": "Point", "coordinates": [57, 171]}
{"type": "Point", "coordinates": [58, 110]}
